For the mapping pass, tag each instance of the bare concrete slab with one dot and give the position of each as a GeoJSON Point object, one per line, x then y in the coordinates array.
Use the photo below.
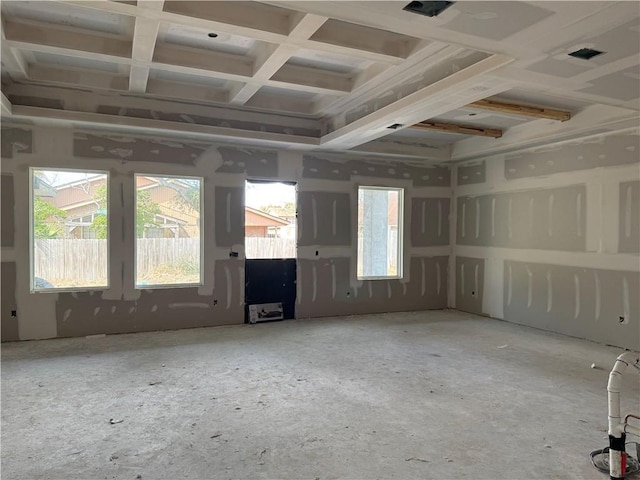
{"type": "Point", "coordinates": [413, 395]}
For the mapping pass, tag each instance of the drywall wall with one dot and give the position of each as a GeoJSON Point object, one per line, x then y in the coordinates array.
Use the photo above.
{"type": "Point", "coordinates": [327, 215]}
{"type": "Point", "coordinates": [549, 237]}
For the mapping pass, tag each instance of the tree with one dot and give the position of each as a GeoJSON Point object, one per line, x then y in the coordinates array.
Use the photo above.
{"type": "Point", "coordinates": [146, 211]}
{"type": "Point", "coordinates": [48, 220]}
{"type": "Point", "coordinates": [287, 209]}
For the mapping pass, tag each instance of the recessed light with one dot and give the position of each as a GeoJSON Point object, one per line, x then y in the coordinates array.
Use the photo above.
{"type": "Point", "coordinates": [472, 114]}
{"type": "Point", "coordinates": [212, 35]}
{"type": "Point", "coordinates": [586, 53]}
{"type": "Point", "coordinates": [430, 9]}
{"type": "Point", "coordinates": [395, 126]}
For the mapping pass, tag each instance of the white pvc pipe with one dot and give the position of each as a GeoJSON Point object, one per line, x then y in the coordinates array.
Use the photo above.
{"type": "Point", "coordinates": [617, 428]}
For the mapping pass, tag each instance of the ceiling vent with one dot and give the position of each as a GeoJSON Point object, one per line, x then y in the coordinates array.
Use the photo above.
{"type": "Point", "coordinates": [430, 9]}
{"type": "Point", "coordinates": [586, 53]}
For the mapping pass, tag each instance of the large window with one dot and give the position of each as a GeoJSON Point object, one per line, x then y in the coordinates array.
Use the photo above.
{"type": "Point", "coordinates": [69, 229]}
{"type": "Point", "coordinates": [168, 241]}
{"type": "Point", "coordinates": [380, 232]}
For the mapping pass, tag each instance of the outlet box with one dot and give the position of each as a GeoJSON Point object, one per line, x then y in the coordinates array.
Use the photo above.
{"type": "Point", "coordinates": [14, 313]}
{"type": "Point", "coordinates": [623, 319]}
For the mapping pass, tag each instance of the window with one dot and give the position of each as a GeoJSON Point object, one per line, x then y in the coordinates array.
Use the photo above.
{"type": "Point", "coordinates": [270, 220]}
{"type": "Point", "coordinates": [69, 229]}
{"type": "Point", "coordinates": [168, 241]}
{"type": "Point", "coordinates": [380, 232]}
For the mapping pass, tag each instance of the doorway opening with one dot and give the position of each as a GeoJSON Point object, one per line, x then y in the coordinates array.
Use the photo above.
{"type": "Point", "coordinates": [270, 251]}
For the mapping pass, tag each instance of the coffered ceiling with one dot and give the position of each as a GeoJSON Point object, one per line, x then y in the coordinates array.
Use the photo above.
{"type": "Point", "coordinates": [323, 75]}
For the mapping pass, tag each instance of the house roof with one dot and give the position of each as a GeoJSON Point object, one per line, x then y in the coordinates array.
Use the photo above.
{"type": "Point", "coordinates": [258, 218]}
{"type": "Point", "coordinates": [327, 75]}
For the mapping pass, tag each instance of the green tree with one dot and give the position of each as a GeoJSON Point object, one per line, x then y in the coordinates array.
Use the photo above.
{"type": "Point", "coordinates": [146, 210]}
{"type": "Point", "coordinates": [48, 220]}
{"type": "Point", "coordinates": [288, 209]}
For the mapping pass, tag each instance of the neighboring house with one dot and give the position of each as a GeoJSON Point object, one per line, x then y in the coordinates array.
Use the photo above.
{"type": "Point", "coordinates": [176, 218]}
{"type": "Point", "coordinates": [262, 224]}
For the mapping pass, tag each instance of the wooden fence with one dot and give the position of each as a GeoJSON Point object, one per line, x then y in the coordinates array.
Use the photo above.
{"type": "Point", "coordinates": [68, 262]}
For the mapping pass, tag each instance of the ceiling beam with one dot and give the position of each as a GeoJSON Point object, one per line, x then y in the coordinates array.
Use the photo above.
{"type": "Point", "coordinates": [461, 129]}
{"type": "Point", "coordinates": [5, 104]}
{"type": "Point", "coordinates": [144, 43]}
{"type": "Point", "coordinates": [519, 109]}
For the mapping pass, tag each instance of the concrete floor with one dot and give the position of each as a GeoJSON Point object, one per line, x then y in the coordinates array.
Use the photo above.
{"type": "Point", "coordinates": [413, 395]}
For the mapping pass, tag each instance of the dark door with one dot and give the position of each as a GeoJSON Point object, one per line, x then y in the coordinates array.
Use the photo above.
{"type": "Point", "coordinates": [270, 289]}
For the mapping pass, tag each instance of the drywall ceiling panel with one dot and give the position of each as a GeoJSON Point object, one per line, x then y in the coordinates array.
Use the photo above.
{"type": "Point", "coordinates": [71, 16]}
{"type": "Point", "coordinates": [188, 79]}
{"type": "Point", "coordinates": [494, 20]}
{"type": "Point", "coordinates": [623, 85]}
{"type": "Point", "coordinates": [188, 36]}
{"type": "Point", "coordinates": [331, 62]}
{"type": "Point", "coordinates": [75, 62]}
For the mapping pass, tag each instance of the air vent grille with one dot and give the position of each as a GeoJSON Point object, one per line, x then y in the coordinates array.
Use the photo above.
{"type": "Point", "coordinates": [586, 53]}
{"type": "Point", "coordinates": [430, 9]}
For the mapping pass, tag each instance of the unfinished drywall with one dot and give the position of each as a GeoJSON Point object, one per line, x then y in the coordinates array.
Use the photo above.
{"type": "Point", "coordinates": [229, 216]}
{"type": "Point", "coordinates": [471, 172]}
{"type": "Point", "coordinates": [551, 219]}
{"type": "Point", "coordinates": [7, 206]}
{"type": "Point", "coordinates": [469, 284]}
{"type": "Point", "coordinates": [327, 215]}
{"type": "Point", "coordinates": [555, 232]}
{"type": "Point", "coordinates": [330, 168]}
{"type": "Point", "coordinates": [15, 140]}
{"type": "Point", "coordinates": [596, 304]}
{"type": "Point", "coordinates": [629, 218]}
{"type": "Point", "coordinates": [326, 289]}
{"type": "Point", "coordinates": [8, 321]}
{"type": "Point", "coordinates": [599, 151]}
{"type": "Point", "coordinates": [430, 221]}
{"type": "Point", "coordinates": [324, 218]}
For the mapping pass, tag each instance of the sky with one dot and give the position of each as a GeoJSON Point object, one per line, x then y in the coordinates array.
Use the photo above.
{"type": "Point", "coordinates": [261, 194]}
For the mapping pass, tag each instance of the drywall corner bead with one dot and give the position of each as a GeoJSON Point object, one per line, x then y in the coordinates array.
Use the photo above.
{"type": "Point", "coordinates": [254, 163]}
{"type": "Point", "coordinates": [15, 140]}
{"type": "Point", "coordinates": [135, 149]}
{"type": "Point", "coordinates": [609, 150]}
{"type": "Point", "coordinates": [472, 173]}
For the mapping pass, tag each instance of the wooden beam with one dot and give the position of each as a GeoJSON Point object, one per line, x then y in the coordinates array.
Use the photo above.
{"type": "Point", "coordinates": [462, 129]}
{"type": "Point", "coordinates": [518, 109]}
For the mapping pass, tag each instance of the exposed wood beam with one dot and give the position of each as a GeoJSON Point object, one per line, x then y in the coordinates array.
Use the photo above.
{"type": "Point", "coordinates": [519, 109]}
{"type": "Point", "coordinates": [462, 129]}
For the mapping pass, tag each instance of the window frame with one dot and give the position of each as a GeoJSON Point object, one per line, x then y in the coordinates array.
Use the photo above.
{"type": "Point", "coordinates": [135, 233]}
{"type": "Point", "coordinates": [32, 287]}
{"type": "Point", "coordinates": [400, 253]}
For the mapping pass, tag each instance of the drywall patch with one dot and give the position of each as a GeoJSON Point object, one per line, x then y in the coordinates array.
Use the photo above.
{"type": "Point", "coordinates": [325, 288]}
{"type": "Point", "coordinates": [325, 218]}
{"type": "Point", "coordinates": [469, 284]}
{"type": "Point", "coordinates": [8, 323]}
{"type": "Point", "coordinates": [582, 302]}
{"type": "Point", "coordinates": [255, 163]}
{"type": "Point", "coordinates": [552, 219]}
{"type": "Point", "coordinates": [629, 218]}
{"type": "Point", "coordinates": [229, 216]}
{"type": "Point", "coordinates": [430, 221]}
{"type": "Point", "coordinates": [7, 221]}
{"type": "Point", "coordinates": [135, 149]}
{"type": "Point", "coordinates": [616, 149]}
{"type": "Point", "coordinates": [421, 175]}
{"type": "Point", "coordinates": [15, 140]}
{"type": "Point", "coordinates": [81, 313]}
{"type": "Point", "coordinates": [470, 174]}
